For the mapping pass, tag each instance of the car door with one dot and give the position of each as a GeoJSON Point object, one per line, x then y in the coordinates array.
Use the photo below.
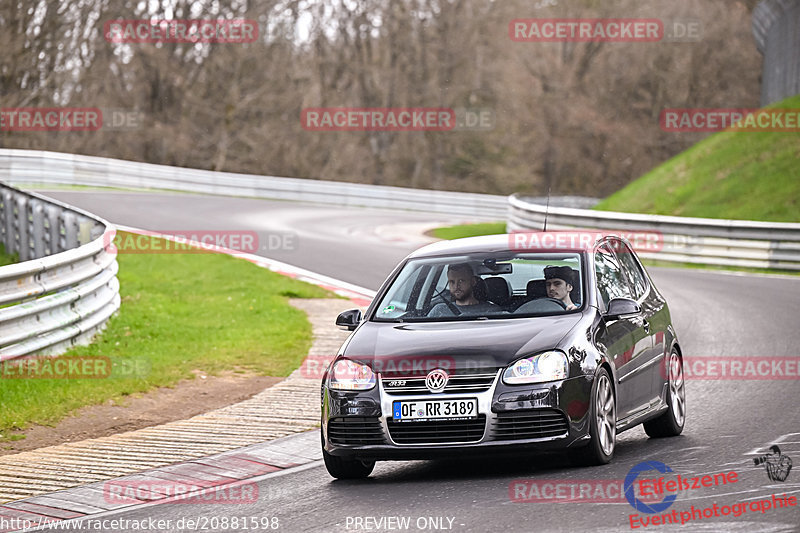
{"type": "Point", "coordinates": [655, 315]}
{"type": "Point", "coordinates": [627, 342]}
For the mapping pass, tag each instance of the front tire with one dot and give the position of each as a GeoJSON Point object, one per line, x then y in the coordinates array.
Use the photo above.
{"type": "Point", "coordinates": [342, 468]}
{"type": "Point", "coordinates": [602, 425]}
{"type": "Point", "coordinates": [670, 424]}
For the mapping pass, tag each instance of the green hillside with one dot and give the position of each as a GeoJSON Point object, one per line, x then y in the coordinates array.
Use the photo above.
{"type": "Point", "coordinates": [739, 175]}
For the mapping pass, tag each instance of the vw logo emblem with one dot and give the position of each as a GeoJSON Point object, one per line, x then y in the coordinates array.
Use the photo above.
{"type": "Point", "coordinates": [436, 380]}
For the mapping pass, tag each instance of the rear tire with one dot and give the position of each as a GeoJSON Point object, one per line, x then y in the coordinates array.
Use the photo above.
{"type": "Point", "coordinates": [342, 468]}
{"type": "Point", "coordinates": [602, 425]}
{"type": "Point", "coordinates": [670, 424]}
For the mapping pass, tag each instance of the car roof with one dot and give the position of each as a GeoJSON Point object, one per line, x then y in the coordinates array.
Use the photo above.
{"type": "Point", "coordinates": [486, 243]}
{"type": "Point", "coordinates": [505, 242]}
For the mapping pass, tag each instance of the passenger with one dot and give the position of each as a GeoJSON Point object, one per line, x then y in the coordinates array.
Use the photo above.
{"type": "Point", "coordinates": [558, 283]}
{"type": "Point", "coordinates": [461, 281]}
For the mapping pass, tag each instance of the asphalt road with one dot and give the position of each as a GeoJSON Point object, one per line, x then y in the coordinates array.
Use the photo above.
{"type": "Point", "coordinates": [729, 421]}
{"type": "Point", "coordinates": [341, 242]}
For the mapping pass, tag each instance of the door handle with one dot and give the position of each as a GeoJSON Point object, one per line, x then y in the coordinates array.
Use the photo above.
{"type": "Point", "coordinates": [646, 326]}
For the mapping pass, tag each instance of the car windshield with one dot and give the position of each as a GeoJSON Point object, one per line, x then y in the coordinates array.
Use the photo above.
{"type": "Point", "coordinates": [472, 287]}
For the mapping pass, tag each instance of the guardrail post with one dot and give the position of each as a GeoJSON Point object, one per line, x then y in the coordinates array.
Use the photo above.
{"type": "Point", "coordinates": [70, 221]}
{"type": "Point", "coordinates": [51, 224]}
{"type": "Point", "coordinates": [20, 244]}
{"type": "Point", "coordinates": [7, 219]}
{"type": "Point", "coordinates": [36, 228]}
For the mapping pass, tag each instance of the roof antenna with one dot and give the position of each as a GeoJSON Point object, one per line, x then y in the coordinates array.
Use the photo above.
{"type": "Point", "coordinates": [546, 210]}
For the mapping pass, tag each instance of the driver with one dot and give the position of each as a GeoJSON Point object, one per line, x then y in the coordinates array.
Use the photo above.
{"type": "Point", "coordinates": [461, 281]}
{"type": "Point", "coordinates": [558, 282]}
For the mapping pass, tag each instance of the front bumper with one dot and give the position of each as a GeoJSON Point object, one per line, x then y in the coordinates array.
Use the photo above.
{"type": "Point", "coordinates": [540, 417]}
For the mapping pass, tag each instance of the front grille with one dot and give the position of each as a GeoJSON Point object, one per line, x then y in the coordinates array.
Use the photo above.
{"type": "Point", "coordinates": [530, 424]}
{"type": "Point", "coordinates": [437, 431]}
{"type": "Point", "coordinates": [355, 431]}
{"type": "Point", "coordinates": [459, 383]}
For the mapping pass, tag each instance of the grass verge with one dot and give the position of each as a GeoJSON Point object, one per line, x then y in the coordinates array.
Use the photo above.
{"type": "Point", "coordinates": [468, 230]}
{"type": "Point", "coordinates": [7, 259]}
{"type": "Point", "coordinates": [735, 175]}
{"type": "Point", "coordinates": [180, 312]}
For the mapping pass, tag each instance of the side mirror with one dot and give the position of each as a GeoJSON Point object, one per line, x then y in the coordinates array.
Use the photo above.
{"type": "Point", "coordinates": [349, 319]}
{"type": "Point", "coordinates": [622, 308]}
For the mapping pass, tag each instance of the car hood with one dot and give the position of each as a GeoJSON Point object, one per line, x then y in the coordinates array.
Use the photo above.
{"type": "Point", "coordinates": [461, 345]}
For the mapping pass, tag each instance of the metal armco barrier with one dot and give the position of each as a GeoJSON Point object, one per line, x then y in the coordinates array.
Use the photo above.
{"type": "Point", "coordinates": [685, 240]}
{"type": "Point", "coordinates": [65, 287]}
{"type": "Point", "coordinates": [37, 167]}
{"type": "Point", "coordinates": [739, 243]}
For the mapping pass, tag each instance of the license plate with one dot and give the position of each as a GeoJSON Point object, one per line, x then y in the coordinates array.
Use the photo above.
{"type": "Point", "coordinates": [435, 409]}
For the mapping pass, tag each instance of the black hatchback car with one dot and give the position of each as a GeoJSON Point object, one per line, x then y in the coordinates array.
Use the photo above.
{"type": "Point", "coordinates": [482, 345]}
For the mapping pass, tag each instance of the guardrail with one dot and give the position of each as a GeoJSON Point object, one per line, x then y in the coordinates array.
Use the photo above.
{"type": "Point", "coordinates": [37, 167]}
{"type": "Point", "coordinates": [65, 288]}
{"type": "Point", "coordinates": [685, 240]}
{"type": "Point", "coordinates": [739, 243]}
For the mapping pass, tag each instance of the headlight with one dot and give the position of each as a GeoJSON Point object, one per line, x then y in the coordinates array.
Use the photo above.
{"type": "Point", "coordinates": [349, 375]}
{"type": "Point", "coordinates": [547, 366]}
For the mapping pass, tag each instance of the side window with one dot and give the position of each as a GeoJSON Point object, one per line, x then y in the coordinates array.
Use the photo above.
{"type": "Point", "coordinates": [611, 281]}
{"type": "Point", "coordinates": [632, 269]}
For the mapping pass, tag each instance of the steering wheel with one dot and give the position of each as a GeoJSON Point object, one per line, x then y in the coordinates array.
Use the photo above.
{"type": "Point", "coordinates": [556, 300]}
{"type": "Point", "coordinates": [541, 305]}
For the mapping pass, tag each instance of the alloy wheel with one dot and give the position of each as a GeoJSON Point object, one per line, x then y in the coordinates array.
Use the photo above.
{"type": "Point", "coordinates": [677, 389]}
{"type": "Point", "coordinates": [606, 415]}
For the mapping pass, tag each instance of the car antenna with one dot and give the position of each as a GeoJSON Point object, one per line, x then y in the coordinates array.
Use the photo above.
{"type": "Point", "coordinates": [546, 209]}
